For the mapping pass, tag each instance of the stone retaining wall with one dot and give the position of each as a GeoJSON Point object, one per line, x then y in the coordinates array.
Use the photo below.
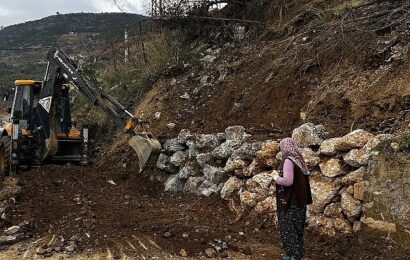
{"type": "Point", "coordinates": [239, 170]}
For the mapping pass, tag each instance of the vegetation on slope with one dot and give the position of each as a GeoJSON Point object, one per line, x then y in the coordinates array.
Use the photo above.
{"type": "Point", "coordinates": [24, 46]}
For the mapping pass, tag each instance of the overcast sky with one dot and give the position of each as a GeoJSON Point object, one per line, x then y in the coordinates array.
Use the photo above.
{"type": "Point", "coordinates": [18, 11]}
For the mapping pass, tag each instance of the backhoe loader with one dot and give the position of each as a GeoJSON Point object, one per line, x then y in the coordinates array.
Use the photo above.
{"type": "Point", "coordinates": [40, 128]}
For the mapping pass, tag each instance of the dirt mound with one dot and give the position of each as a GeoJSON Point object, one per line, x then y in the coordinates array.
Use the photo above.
{"type": "Point", "coordinates": [341, 98]}
{"type": "Point", "coordinates": [306, 67]}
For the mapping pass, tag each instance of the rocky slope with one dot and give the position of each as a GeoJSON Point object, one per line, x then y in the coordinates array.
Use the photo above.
{"type": "Point", "coordinates": [305, 67]}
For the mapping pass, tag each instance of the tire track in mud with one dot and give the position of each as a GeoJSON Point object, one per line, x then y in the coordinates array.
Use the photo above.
{"type": "Point", "coordinates": [134, 247]}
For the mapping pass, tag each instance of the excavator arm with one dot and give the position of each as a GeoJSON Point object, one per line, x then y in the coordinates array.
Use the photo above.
{"type": "Point", "coordinates": [142, 142]}
{"type": "Point", "coordinates": [116, 111]}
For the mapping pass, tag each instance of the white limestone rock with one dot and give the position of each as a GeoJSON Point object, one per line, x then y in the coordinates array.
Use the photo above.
{"type": "Point", "coordinates": [308, 135]}
{"type": "Point", "coordinates": [357, 158]}
{"type": "Point", "coordinates": [236, 133]}
{"type": "Point", "coordinates": [179, 158]}
{"type": "Point", "coordinates": [174, 184]}
{"type": "Point", "coordinates": [225, 150]}
{"type": "Point", "coordinates": [207, 141]}
{"type": "Point", "coordinates": [355, 176]}
{"type": "Point", "coordinates": [351, 207]}
{"type": "Point", "coordinates": [164, 163]}
{"type": "Point", "coordinates": [214, 174]}
{"type": "Point", "coordinates": [172, 146]}
{"type": "Point", "coordinates": [260, 183]}
{"type": "Point", "coordinates": [323, 193]}
{"type": "Point", "coordinates": [230, 187]}
{"type": "Point", "coordinates": [332, 167]}
{"type": "Point", "coordinates": [310, 157]}
{"type": "Point", "coordinates": [234, 164]}
{"type": "Point", "coordinates": [192, 184]}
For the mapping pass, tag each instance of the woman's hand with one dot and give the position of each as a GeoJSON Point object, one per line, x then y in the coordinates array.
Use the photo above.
{"type": "Point", "coordinates": [275, 175]}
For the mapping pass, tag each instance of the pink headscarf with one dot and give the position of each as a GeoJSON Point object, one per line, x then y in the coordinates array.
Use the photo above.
{"type": "Point", "coordinates": [290, 150]}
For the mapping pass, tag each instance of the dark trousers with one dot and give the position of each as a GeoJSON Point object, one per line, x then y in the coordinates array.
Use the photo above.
{"type": "Point", "coordinates": [291, 222]}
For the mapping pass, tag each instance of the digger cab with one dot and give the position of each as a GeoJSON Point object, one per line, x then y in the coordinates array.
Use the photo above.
{"type": "Point", "coordinates": [24, 102]}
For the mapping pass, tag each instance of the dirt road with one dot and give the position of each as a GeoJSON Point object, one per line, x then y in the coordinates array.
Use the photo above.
{"type": "Point", "coordinates": [108, 211]}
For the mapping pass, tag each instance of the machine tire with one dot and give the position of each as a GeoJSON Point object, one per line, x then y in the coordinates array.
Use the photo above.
{"type": "Point", "coordinates": [5, 150]}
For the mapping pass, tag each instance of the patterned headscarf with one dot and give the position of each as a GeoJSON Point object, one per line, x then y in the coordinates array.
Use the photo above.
{"type": "Point", "coordinates": [290, 150]}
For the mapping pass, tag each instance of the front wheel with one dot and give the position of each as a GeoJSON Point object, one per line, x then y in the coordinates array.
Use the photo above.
{"type": "Point", "coordinates": [5, 150]}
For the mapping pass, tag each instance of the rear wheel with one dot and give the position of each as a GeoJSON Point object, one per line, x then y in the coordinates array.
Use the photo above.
{"type": "Point", "coordinates": [5, 148]}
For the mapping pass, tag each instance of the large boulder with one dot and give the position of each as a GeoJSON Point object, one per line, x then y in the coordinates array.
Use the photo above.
{"type": "Point", "coordinates": [173, 145]}
{"type": "Point", "coordinates": [329, 146]}
{"type": "Point", "coordinates": [329, 226]}
{"type": "Point", "coordinates": [356, 176]}
{"type": "Point", "coordinates": [308, 135]}
{"type": "Point", "coordinates": [266, 206]}
{"type": "Point", "coordinates": [379, 224]}
{"type": "Point", "coordinates": [253, 169]}
{"type": "Point", "coordinates": [184, 136]}
{"type": "Point", "coordinates": [207, 141]}
{"type": "Point", "coordinates": [266, 156]}
{"type": "Point", "coordinates": [234, 164]}
{"type": "Point", "coordinates": [221, 137]}
{"type": "Point", "coordinates": [233, 185]}
{"type": "Point", "coordinates": [250, 199]}
{"type": "Point", "coordinates": [187, 171]}
{"type": "Point", "coordinates": [247, 151]}
{"type": "Point", "coordinates": [355, 139]}
{"type": "Point", "coordinates": [178, 158]}
{"type": "Point", "coordinates": [214, 174]}
{"type": "Point", "coordinates": [174, 184]}
{"type": "Point", "coordinates": [203, 159]}
{"type": "Point", "coordinates": [192, 149]}
{"type": "Point", "coordinates": [311, 158]}
{"type": "Point", "coordinates": [323, 193]}
{"type": "Point", "coordinates": [236, 133]}
{"type": "Point", "coordinates": [225, 150]}
{"type": "Point", "coordinates": [351, 207]}
{"type": "Point", "coordinates": [192, 184]}
{"type": "Point", "coordinates": [208, 188]}
{"type": "Point", "coordinates": [333, 210]}
{"type": "Point", "coordinates": [332, 167]}
{"type": "Point", "coordinates": [164, 163]}
{"type": "Point", "coordinates": [260, 183]}
{"type": "Point", "coordinates": [357, 158]}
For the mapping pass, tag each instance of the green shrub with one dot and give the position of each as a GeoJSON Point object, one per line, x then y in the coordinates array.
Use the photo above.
{"type": "Point", "coordinates": [404, 144]}
{"type": "Point", "coordinates": [383, 146]}
{"type": "Point", "coordinates": [386, 145]}
{"type": "Point", "coordinates": [165, 53]}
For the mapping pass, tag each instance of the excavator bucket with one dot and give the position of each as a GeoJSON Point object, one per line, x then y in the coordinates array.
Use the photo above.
{"type": "Point", "coordinates": [144, 145]}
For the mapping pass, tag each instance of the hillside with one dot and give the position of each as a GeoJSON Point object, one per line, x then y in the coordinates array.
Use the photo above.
{"type": "Point", "coordinates": [23, 46]}
{"type": "Point", "coordinates": [303, 68]}
{"type": "Point", "coordinates": [220, 95]}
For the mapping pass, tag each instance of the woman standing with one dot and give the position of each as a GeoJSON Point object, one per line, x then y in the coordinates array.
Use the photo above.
{"type": "Point", "coordinates": [292, 196]}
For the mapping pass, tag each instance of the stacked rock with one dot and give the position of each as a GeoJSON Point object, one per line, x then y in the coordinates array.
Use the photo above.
{"type": "Point", "coordinates": [241, 171]}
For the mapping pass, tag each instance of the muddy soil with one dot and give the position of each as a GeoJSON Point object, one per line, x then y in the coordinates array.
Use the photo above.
{"type": "Point", "coordinates": [114, 212]}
